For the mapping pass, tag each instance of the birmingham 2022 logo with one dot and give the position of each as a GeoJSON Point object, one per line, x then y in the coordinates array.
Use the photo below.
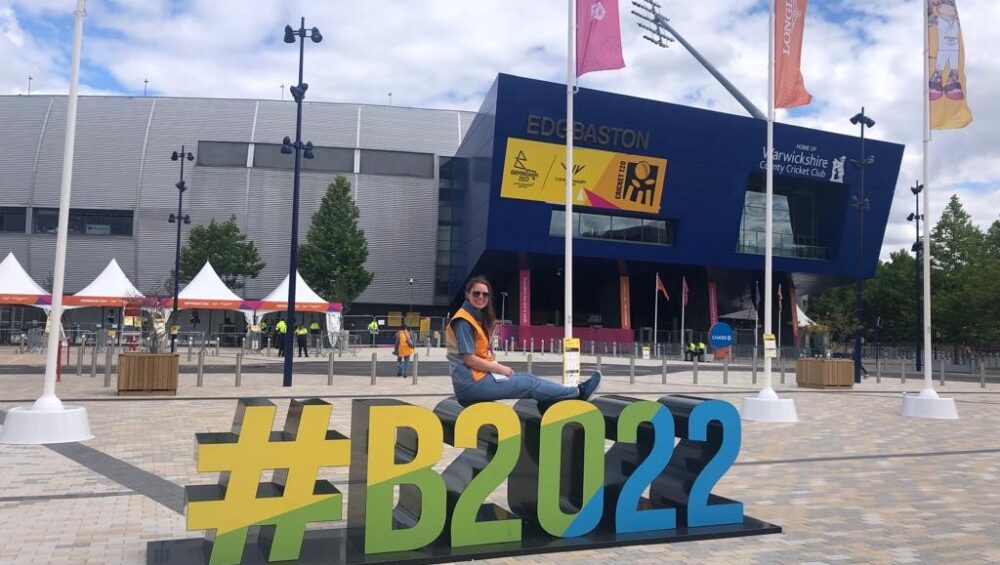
{"type": "Point", "coordinates": [565, 491]}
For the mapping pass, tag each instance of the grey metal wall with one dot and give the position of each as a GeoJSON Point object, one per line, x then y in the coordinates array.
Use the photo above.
{"type": "Point", "coordinates": [122, 162]}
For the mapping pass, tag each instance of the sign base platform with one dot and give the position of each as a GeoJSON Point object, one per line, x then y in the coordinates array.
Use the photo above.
{"type": "Point", "coordinates": [928, 404]}
{"type": "Point", "coordinates": [344, 547]}
{"type": "Point", "coordinates": [33, 426]}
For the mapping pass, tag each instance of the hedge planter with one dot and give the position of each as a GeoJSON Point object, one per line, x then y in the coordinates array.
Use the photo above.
{"type": "Point", "coordinates": [147, 374]}
{"type": "Point", "coordinates": [824, 373]}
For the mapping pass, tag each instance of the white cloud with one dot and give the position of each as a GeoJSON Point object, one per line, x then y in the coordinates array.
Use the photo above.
{"type": "Point", "coordinates": [446, 53]}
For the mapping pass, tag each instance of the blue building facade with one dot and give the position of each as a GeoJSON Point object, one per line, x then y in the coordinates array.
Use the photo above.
{"type": "Point", "coordinates": [659, 188]}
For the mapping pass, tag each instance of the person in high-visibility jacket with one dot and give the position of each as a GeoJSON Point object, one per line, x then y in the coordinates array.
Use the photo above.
{"type": "Point", "coordinates": [692, 351]}
{"type": "Point", "coordinates": [403, 350]}
{"type": "Point", "coordinates": [301, 337]}
{"type": "Point", "coordinates": [280, 329]}
{"type": "Point", "coordinates": [475, 374]}
{"type": "Point", "coordinates": [373, 330]}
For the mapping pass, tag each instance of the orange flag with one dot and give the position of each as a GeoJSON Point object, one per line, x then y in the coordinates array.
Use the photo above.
{"type": "Point", "coordinates": [661, 288]}
{"type": "Point", "coordinates": [789, 23]}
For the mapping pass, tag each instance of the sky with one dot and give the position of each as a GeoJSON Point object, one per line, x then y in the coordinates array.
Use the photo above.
{"type": "Point", "coordinates": [446, 54]}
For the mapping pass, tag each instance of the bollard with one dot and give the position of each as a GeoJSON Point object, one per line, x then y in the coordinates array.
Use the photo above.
{"type": "Point", "coordinates": [217, 345]}
{"type": "Point", "coordinates": [79, 360]}
{"type": "Point", "coordinates": [725, 370]}
{"type": "Point", "coordinates": [614, 349]}
{"type": "Point", "coordinates": [598, 362]}
{"type": "Point", "coordinates": [93, 362]}
{"type": "Point", "coordinates": [329, 370]}
{"type": "Point", "coordinates": [416, 367]}
{"type": "Point", "coordinates": [631, 370]}
{"type": "Point", "coordinates": [190, 348]}
{"type": "Point", "coordinates": [753, 367]}
{"type": "Point", "coordinates": [878, 370]}
{"type": "Point", "coordinates": [373, 368]}
{"type": "Point", "coordinates": [239, 368]}
{"type": "Point", "coordinates": [592, 345]}
{"type": "Point", "coordinates": [902, 371]}
{"type": "Point", "coordinates": [552, 345]}
{"type": "Point", "coordinates": [782, 364]}
{"type": "Point", "coordinates": [663, 371]}
{"type": "Point", "coordinates": [107, 366]}
{"type": "Point", "coordinates": [524, 345]}
{"type": "Point", "coordinates": [427, 340]}
{"type": "Point", "coordinates": [268, 354]}
{"type": "Point", "coordinates": [941, 365]}
{"type": "Point", "coordinates": [529, 362]}
{"type": "Point", "coordinates": [201, 366]}
{"type": "Point", "coordinates": [982, 375]}
{"type": "Point", "coordinates": [694, 374]}
{"type": "Point", "coordinates": [532, 346]}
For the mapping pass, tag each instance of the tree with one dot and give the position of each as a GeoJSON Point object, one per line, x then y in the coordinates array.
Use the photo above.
{"type": "Point", "coordinates": [954, 238]}
{"type": "Point", "coordinates": [333, 258]}
{"type": "Point", "coordinates": [233, 256]}
{"type": "Point", "coordinates": [891, 295]}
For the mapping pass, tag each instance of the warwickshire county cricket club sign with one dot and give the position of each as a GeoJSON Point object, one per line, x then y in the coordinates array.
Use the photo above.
{"type": "Point", "coordinates": [564, 490]}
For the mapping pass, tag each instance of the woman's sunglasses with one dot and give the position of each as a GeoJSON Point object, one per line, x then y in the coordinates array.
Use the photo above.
{"type": "Point", "coordinates": [480, 294]}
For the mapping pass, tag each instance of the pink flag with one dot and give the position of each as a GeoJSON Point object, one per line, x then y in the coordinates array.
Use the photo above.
{"type": "Point", "coordinates": [684, 290]}
{"type": "Point", "coordinates": [598, 36]}
{"type": "Point", "coordinates": [789, 23]}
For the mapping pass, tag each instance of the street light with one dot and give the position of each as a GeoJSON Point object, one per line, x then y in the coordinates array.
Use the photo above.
{"type": "Point", "coordinates": [917, 249]}
{"type": "Point", "coordinates": [862, 204]}
{"type": "Point", "coordinates": [178, 219]}
{"type": "Point", "coordinates": [287, 147]}
{"type": "Point", "coordinates": [409, 308]}
{"type": "Point", "coordinates": [503, 305]}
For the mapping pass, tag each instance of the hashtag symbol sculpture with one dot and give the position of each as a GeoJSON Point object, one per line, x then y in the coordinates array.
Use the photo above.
{"type": "Point", "coordinates": [283, 506]}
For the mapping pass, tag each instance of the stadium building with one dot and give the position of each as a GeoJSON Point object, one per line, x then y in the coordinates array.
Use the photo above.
{"type": "Point", "coordinates": [444, 194]}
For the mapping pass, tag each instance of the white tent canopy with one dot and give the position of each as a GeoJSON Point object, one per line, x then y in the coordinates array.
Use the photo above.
{"type": "Point", "coordinates": [17, 287]}
{"type": "Point", "coordinates": [305, 297]}
{"type": "Point", "coordinates": [206, 290]}
{"type": "Point", "coordinates": [803, 319]}
{"type": "Point", "coordinates": [749, 314]}
{"type": "Point", "coordinates": [110, 288]}
{"type": "Point", "coordinates": [15, 280]}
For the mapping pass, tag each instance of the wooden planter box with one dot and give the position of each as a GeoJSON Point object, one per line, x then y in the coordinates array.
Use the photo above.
{"type": "Point", "coordinates": [824, 373]}
{"type": "Point", "coordinates": [147, 374]}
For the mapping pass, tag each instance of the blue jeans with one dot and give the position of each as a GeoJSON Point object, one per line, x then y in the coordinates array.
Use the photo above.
{"type": "Point", "coordinates": [518, 385]}
{"type": "Point", "coordinates": [403, 366]}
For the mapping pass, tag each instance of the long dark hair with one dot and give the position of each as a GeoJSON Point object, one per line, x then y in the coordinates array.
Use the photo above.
{"type": "Point", "coordinates": [489, 314]}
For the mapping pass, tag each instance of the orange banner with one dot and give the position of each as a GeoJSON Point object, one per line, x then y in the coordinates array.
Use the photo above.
{"type": "Point", "coordinates": [28, 299]}
{"type": "Point", "coordinates": [946, 66]}
{"type": "Point", "coordinates": [299, 307]}
{"type": "Point", "coordinates": [113, 301]}
{"type": "Point", "coordinates": [789, 24]}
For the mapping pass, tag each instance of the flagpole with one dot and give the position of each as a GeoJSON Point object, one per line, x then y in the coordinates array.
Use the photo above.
{"type": "Point", "coordinates": [656, 313]}
{"type": "Point", "coordinates": [683, 309]}
{"type": "Point", "coordinates": [568, 228]}
{"type": "Point", "coordinates": [766, 406]}
{"type": "Point", "coordinates": [781, 301]}
{"type": "Point", "coordinates": [927, 404]}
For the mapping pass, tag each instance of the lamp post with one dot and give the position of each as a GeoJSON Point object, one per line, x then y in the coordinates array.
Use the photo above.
{"type": "Point", "coordinates": [409, 307]}
{"type": "Point", "coordinates": [178, 219]}
{"type": "Point", "coordinates": [503, 305]}
{"type": "Point", "coordinates": [862, 204]}
{"type": "Point", "coordinates": [287, 147]}
{"type": "Point", "coordinates": [917, 249]}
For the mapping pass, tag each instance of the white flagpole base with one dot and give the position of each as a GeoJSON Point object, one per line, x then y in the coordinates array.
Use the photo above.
{"type": "Point", "coordinates": [928, 404]}
{"type": "Point", "coordinates": [35, 426]}
{"type": "Point", "coordinates": [767, 407]}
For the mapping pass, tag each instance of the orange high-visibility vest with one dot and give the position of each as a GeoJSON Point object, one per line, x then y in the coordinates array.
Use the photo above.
{"type": "Point", "coordinates": [482, 341]}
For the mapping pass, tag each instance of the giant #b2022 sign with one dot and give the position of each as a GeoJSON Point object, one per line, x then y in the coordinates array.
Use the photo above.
{"type": "Point", "coordinates": [564, 489]}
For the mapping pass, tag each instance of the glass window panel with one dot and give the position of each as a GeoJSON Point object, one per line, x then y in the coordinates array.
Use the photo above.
{"type": "Point", "coordinates": [592, 225]}
{"type": "Point", "coordinates": [269, 156]}
{"type": "Point", "coordinates": [13, 219]}
{"type": "Point", "coordinates": [222, 154]}
{"type": "Point", "coordinates": [86, 222]}
{"type": "Point", "coordinates": [398, 163]}
{"type": "Point", "coordinates": [334, 159]}
{"type": "Point", "coordinates": [627, 229]}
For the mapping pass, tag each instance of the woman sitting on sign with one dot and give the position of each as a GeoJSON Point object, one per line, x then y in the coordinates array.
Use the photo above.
{"type": "Point", "coordinates": [476, 376]}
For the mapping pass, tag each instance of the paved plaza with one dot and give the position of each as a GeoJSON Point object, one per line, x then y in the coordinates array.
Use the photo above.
{"type": "Point", "coordinates": [852, 482]}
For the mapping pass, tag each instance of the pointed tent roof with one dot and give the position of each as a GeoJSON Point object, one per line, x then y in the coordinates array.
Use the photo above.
{"type": "Point", "coordinates": [206, 290]}
{"type": "Point", "coordinates": [110, 288]}
{"type": "Point", "coordinates": [803, 319]}
{"type": "Point", "coordinates": [16, 286]}
{"type": "Point", "coordinates": [306, 299]}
